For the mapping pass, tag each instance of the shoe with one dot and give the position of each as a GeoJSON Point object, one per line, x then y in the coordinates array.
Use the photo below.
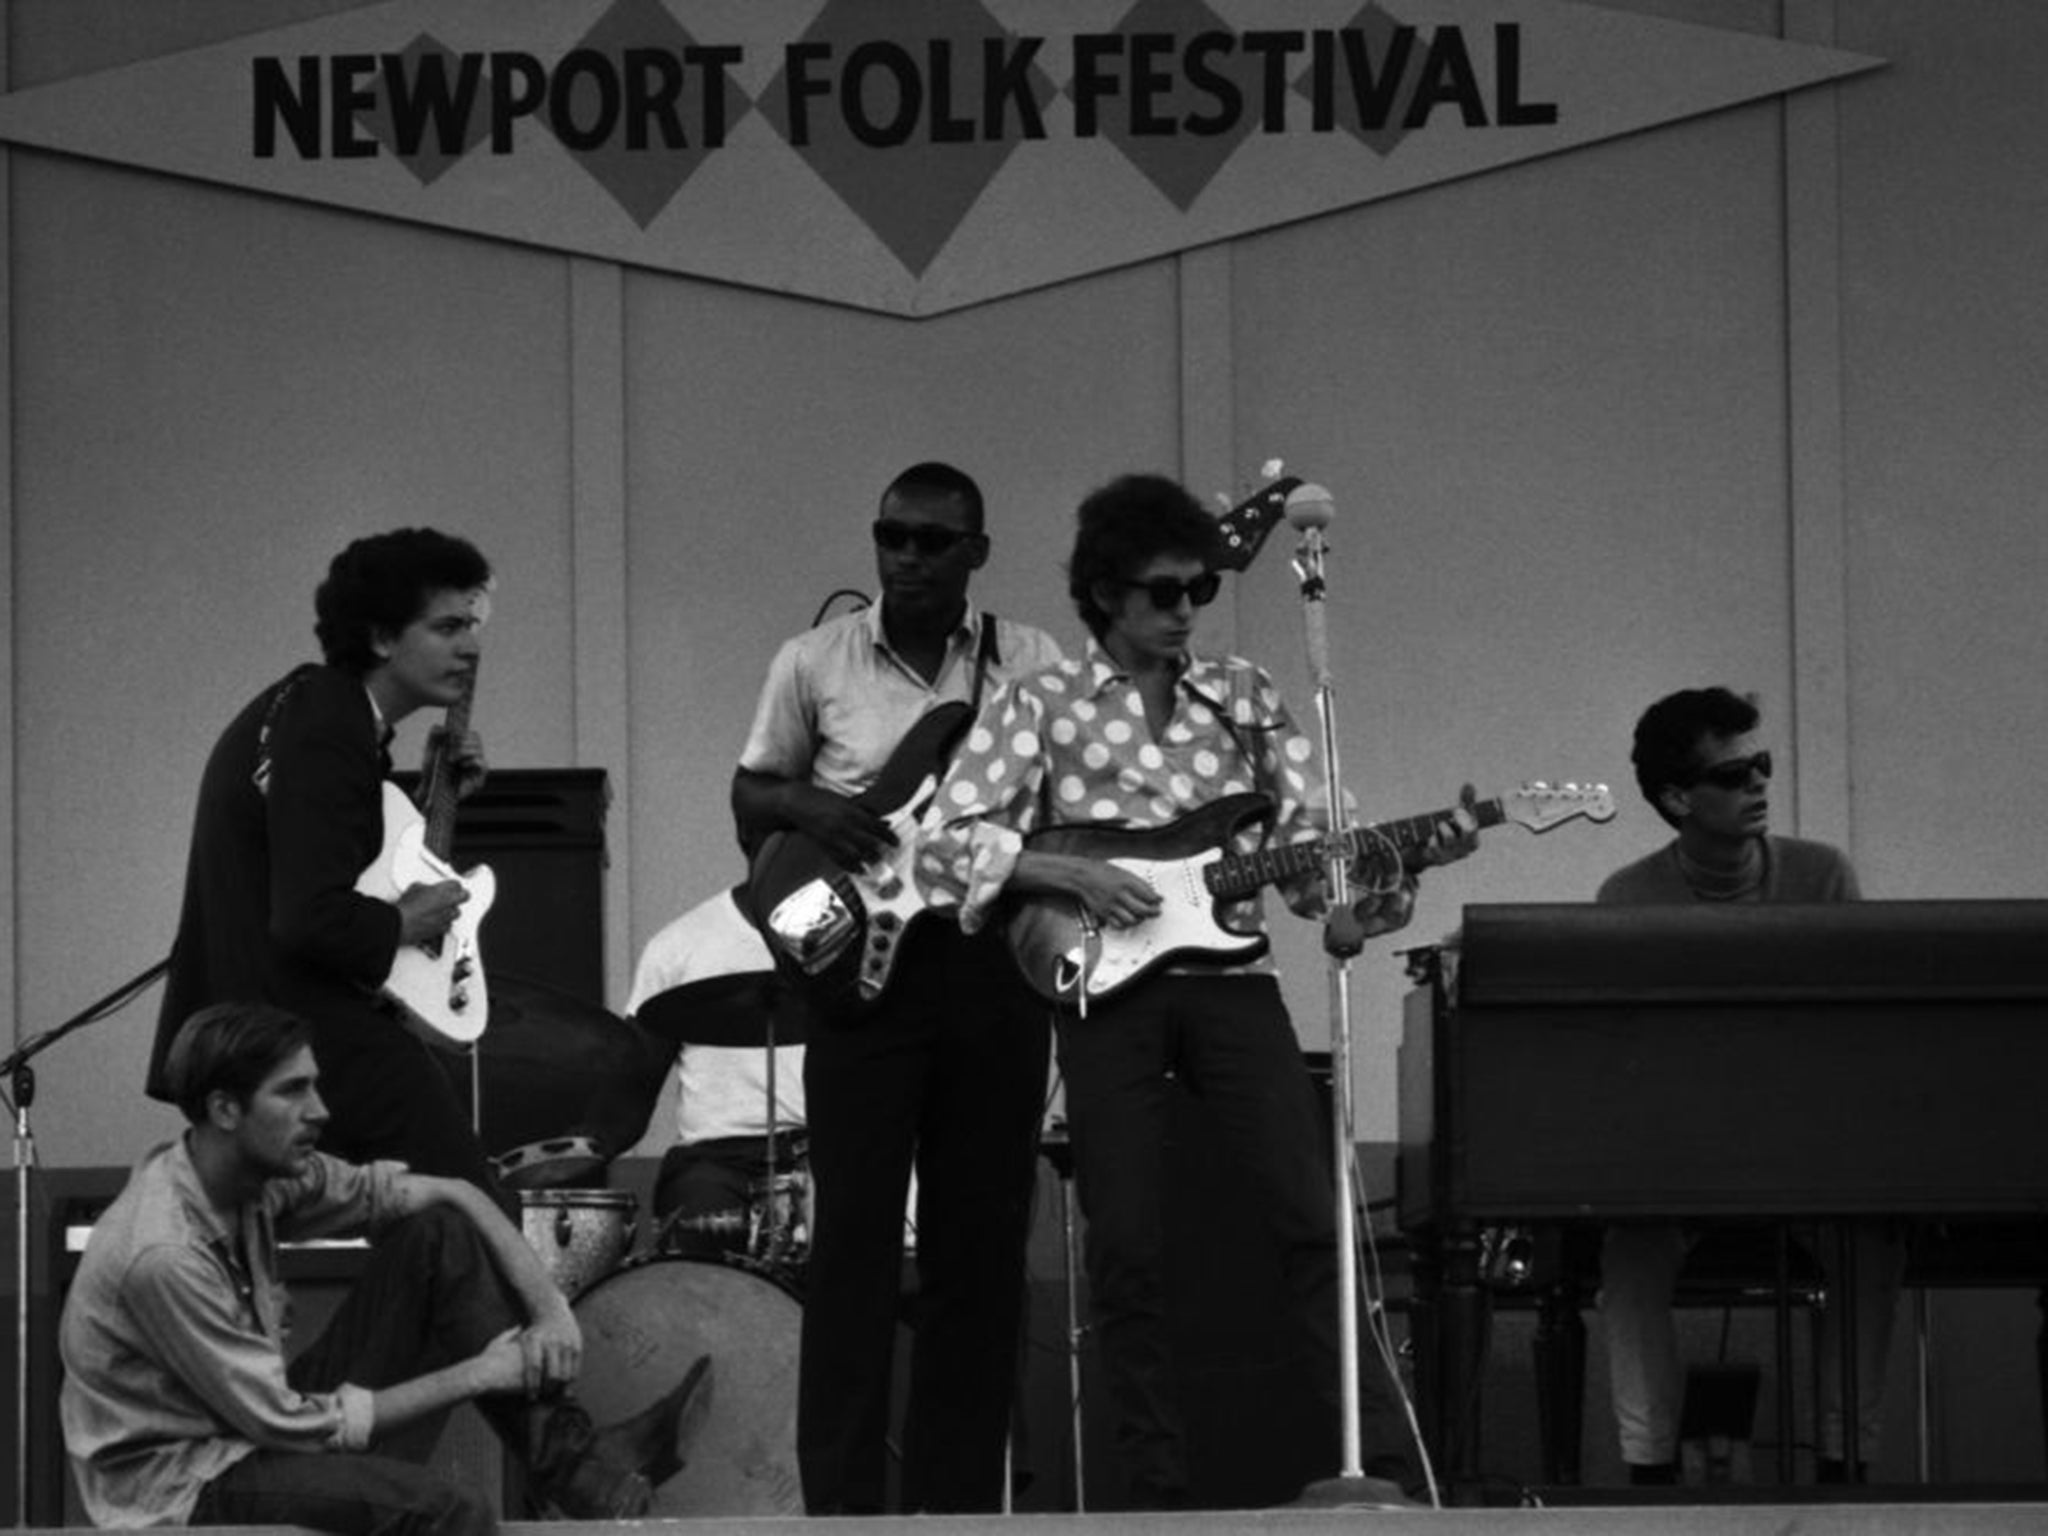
{"type": "Point", "coordinates": [599, 1489]}
{"type": "Point", "coordinates": [1654, 1474]}
{"type": "Point", "coordinates": [1834, 1471]}
{"type": "Point", "coordinates": [584, 1473]}
{"type": "Point", "coordinates": [653, 1440]}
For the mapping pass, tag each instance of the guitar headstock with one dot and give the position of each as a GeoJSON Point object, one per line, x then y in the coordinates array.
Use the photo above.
{"type": "Point", "coordinates": [1539, 806]}
{"type": "Point", "coordinates": [1246, 525]}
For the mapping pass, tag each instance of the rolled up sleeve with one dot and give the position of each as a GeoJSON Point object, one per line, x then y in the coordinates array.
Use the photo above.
{"type": "Point", "coordinates": [970, 839]}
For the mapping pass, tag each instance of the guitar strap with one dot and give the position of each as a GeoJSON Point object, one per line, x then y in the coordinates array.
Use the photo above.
{"type": "Point", "coordinates": [261, 775]}
{"type": "Point", "coordinates": [1231, 725]}
{"type": "Point", "coordinates": [985, 656]}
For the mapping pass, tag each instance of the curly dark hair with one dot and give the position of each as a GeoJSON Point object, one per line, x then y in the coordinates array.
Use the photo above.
{"type": "Point", "coordinates": [380, 584]}
{"type": "Point", "coordinates": [229, 1048]}
{"type": "Point", "coordinates": [1668, 735]}
{"type": "Point", "coordinates": [1127, 522]}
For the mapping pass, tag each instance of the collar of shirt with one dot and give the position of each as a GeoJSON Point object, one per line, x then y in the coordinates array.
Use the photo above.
{"type": "Point", "coordinates": [385, 730]}
{"type": "Point", "coordinates": [1199, 675]}
{"type": "Point", "coordinates": [966, 635]}
{"type": "Point", "coordinates": [191, 1193]}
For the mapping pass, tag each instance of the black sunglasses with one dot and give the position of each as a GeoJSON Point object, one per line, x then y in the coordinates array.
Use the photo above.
{"type": "Point", "coordinates": [1166, 592]}
{"type": "Point", "coordinates": [1735, 773]}
{"type": "Point", "coordinates": [926, 538]}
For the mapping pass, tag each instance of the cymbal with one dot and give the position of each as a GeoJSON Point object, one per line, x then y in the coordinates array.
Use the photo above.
{"type": "Point", "coordinates": [733, 1010]}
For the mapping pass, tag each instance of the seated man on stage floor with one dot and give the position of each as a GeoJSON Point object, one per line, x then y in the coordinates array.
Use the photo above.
{"type": "Point", "coordinates": [707, 983]}
{"type": "Point", "coordinates": [1703, 768]}
{"type": "Point", "coordinates": [178, 1406]}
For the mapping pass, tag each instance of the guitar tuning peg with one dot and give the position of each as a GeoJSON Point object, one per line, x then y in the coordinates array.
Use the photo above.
{"type": "Point", "coordinates": [1271, 469]}
{"type": "Point", "coordinates": [1223, 500]}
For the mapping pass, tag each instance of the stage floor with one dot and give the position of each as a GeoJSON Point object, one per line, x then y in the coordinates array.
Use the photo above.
{"type": "Point", "coordinates": [1987, 1518]}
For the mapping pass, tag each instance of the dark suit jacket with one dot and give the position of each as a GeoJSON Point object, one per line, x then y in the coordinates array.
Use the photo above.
{"type": "Point", "coordinates": [290, 813]}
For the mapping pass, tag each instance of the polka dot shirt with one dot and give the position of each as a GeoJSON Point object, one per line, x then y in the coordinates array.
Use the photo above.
{"type": "Point", "coordinates": [1070, 744]}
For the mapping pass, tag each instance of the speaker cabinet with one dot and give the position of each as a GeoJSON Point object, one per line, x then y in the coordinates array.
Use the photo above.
{"type": "Point", "coordinates": [542, 832]}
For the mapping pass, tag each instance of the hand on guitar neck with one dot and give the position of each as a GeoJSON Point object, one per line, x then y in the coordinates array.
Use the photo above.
{"type": "Point", "coordinates": [462, 757]}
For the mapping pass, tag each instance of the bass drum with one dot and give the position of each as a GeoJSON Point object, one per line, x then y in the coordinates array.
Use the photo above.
{"type": "Point", "coordinates": [646, 1324]}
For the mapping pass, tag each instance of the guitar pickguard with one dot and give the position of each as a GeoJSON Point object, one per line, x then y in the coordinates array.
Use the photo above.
{"type": "Point", "coordinates": [817, 925]}
{"type": "Point", "coordinates": [440, 991]}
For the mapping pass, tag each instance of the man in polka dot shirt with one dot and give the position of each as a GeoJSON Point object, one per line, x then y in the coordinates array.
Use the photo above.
{"type": "Point", "coordinates": [1141, 732]}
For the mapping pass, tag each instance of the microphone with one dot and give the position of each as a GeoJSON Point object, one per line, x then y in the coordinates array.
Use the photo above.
{"type": "Point", "coordinates": [1309, 508]}
{"type": "Point", "coordinates": [1309, 512]}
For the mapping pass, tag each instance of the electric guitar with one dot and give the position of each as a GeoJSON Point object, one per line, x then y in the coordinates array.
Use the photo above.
{"type": "Point", "coordinates": [439, 987]}
{"type": "Point", "coordinates": [837, 932]}
{"type": "Point", "coordinates": [834, 931]}
{"type": "Point", "coordinates": [1068, 958]}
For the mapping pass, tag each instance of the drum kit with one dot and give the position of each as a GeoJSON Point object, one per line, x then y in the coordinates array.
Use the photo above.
{"type": "Point", "coordinates": [649, 1312]}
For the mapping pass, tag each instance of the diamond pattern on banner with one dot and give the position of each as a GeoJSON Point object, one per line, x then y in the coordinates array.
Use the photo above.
{"type": "Point", "coordinates": [884, 130]}
{"type": "Point", "coordinates": [439, 87]}
{"type": "Point", "coordinates": [639, 31]}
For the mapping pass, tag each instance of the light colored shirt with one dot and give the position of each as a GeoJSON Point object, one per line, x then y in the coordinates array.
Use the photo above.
{"type": "Point", "coordinates": [173, 1335]}
{"type": "Point", "coordinates": [838, 700]}
{"type": "Point", "coordinates": [722, 1090]}
{"type": "Point", "coordinates": [1071, 745]}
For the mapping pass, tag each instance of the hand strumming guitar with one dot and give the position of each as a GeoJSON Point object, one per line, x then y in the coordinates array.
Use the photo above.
{"type": "Point", "coordinates": [852, 834]}
{"type": "Point", "coordinates": [427, 912]}
{"type": "Point", "coordinates": [1108, 893]}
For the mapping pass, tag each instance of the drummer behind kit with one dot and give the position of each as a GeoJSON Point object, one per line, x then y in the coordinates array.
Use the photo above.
{"type": "Point", "coordinates": [735, 1180]}
{"type": "Point", "coordinates": [716, 1295]}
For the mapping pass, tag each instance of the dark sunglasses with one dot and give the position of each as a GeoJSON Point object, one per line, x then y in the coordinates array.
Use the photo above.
{"type": "Point", "coordinates": [926, 538]}
{"type": "Point", "coordinates": [1166, 592]}
{"type": "Point", "coordinates": [1735, 773]}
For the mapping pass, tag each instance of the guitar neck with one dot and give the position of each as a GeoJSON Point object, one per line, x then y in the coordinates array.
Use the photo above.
{"type": "Point", "coordinates": [437, 788]}
{"type": "Point", "coordinates": [1236, 875]}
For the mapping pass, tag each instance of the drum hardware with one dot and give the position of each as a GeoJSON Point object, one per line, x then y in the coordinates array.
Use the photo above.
{"type": "Point", "coordinates": [1057, 1147]}
{"type": "Point", "coordinates": [550, 1164]}
{"type": "Point", "coordinates": [1507, 1256]}
{"type": "Point", "coordinates": [749, 1012]}
{"type": "Point", "coordinates": [779, 1217]}
{"type": "Point", "coordinates": [581, 1235]}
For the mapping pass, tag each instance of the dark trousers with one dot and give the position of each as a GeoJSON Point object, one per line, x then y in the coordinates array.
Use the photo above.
{"type": "Point", "coordinates": [716, 1185]}
{"type": "Point", "coordinates": [429, 1296]}
{"type": "Point", "coordinates": [394, 1096]}
{"type": "Point", "coordinates": [1228, 1040]}
{"type": "Point", "coordinates": [948, 1070]}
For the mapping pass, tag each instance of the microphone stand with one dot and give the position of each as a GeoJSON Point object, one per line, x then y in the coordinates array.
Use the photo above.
{"type": "Point", "coordinates": [21, 1093]}
{"type": "Point", "coordinates": [1309, 511]}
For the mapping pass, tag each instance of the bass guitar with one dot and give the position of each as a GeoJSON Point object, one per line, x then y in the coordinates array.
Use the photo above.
{"type": "Point", "coordinates": [836, 931]}
{"type": "Point", "coordinates": [1069, 958]}
{"type": "Point", "coordinates": [439, 987]}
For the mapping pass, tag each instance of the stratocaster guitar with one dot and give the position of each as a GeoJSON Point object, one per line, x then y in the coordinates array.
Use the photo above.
{"type": "Point", "coordinates": [439, 988]}
{"type": "Point", "coordinates": [835, 931]}
{"type": "Point", "coordinates": [1068, 958]}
